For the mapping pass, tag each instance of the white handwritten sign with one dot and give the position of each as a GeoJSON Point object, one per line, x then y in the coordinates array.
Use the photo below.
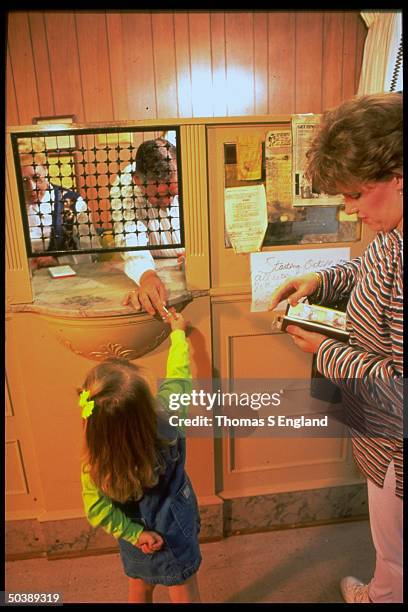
{"type": "Point", "coordinates": [271, 269]}
{"type": "Point", "coordinates": [246, 217]}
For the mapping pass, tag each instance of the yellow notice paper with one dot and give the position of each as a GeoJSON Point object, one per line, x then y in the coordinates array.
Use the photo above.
{"type": "Point", "coordinates": [249, 158]}
{"type": "Point", "coordinates": [343, 216]}
{"type": "Point", "coordinates": [246, 217]}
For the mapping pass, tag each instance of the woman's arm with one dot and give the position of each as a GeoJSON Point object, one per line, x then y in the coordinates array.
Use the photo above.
{"type": "Point", "coordinates": [373, 379]}
{"type": "Point", "coordinates": [337, 282]}
{"type": "Point", "coordinates": [329, 285]}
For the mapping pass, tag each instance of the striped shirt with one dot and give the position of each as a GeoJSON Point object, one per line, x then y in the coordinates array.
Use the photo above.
{"type": "Point", "coordinates": [369, 369]}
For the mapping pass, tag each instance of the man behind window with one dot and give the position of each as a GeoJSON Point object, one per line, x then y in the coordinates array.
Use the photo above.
{"type": "Point", "coordinates": [145, 212]}
{"type": "Point", "coordinates": [58, 218]}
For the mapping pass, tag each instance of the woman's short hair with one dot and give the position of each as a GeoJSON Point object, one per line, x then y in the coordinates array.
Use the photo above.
{"type": "Point", "coordinates": [359, 141]}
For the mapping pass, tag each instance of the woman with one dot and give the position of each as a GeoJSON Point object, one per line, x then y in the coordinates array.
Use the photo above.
{"type": "Point", "coordinates": [358, 153]}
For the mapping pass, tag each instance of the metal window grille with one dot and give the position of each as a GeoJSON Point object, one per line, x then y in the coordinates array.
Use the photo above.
{"type": "Point", "coordinates": [96, 191]}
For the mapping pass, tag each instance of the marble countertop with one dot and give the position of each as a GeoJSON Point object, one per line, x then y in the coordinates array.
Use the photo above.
{"type": "Point", "coordinates": [97, 290]}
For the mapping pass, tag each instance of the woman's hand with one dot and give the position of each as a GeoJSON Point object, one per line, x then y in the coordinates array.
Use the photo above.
{"type": "Point", "coordinates": [149, 542]}
{"type": "Point", "coordinates": [294, 288]}
{"type": "Point", "coordinates": [308, 342]}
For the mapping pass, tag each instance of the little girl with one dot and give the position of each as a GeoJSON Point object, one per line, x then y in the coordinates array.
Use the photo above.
{"type": "Point", "coordinates": [134, 483]}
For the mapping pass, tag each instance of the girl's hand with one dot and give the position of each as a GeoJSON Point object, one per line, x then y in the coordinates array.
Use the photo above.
{"type": "Point", "coordinates": [293, 289]}
{"type": "Point", "coordinates": [149, 542]}
{"type": "Point", "coordinates": [308, 342]}
{"type": "Point", "coordinates": [176, 320]}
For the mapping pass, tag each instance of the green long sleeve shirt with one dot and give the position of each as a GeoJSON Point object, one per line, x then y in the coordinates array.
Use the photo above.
{"type": "Point", "coordinates": [99, 509]}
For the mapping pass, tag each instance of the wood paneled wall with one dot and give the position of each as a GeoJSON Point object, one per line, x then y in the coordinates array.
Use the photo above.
{"type": "Point", "coordinates": [124, 65]}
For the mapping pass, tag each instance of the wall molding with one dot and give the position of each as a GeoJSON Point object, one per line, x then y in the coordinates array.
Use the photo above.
{"type": "Point", "coordinates": [220, 518]}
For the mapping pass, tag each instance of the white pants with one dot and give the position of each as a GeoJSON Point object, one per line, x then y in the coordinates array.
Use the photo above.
{"type": "Point", "coordinates": [385, 510]}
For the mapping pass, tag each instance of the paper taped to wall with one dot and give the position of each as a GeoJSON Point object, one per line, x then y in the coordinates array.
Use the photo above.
{"type": "Point", "coordinates": [246, 217]}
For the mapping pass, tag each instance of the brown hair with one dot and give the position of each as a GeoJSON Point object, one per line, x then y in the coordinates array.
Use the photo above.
{"type": "Point", "coordinates": [359, 141]}
{"type": "Point", "coordinates": [121, 442]}
{"type": "Point", "coordinates": [155, 160]}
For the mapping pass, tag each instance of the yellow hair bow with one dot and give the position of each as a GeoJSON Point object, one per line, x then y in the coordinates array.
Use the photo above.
{"type": "Point", "coordinates": [86, 405]}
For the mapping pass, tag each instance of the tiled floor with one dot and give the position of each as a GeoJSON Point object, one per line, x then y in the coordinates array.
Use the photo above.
{"type": "Point", "coordinates": [293, 565]}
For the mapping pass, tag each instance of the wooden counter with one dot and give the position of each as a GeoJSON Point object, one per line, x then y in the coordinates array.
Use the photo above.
{"type": "Point", "coordinates": [86, 314]}
{"type": "Point", "coordinates": [97, 290]}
